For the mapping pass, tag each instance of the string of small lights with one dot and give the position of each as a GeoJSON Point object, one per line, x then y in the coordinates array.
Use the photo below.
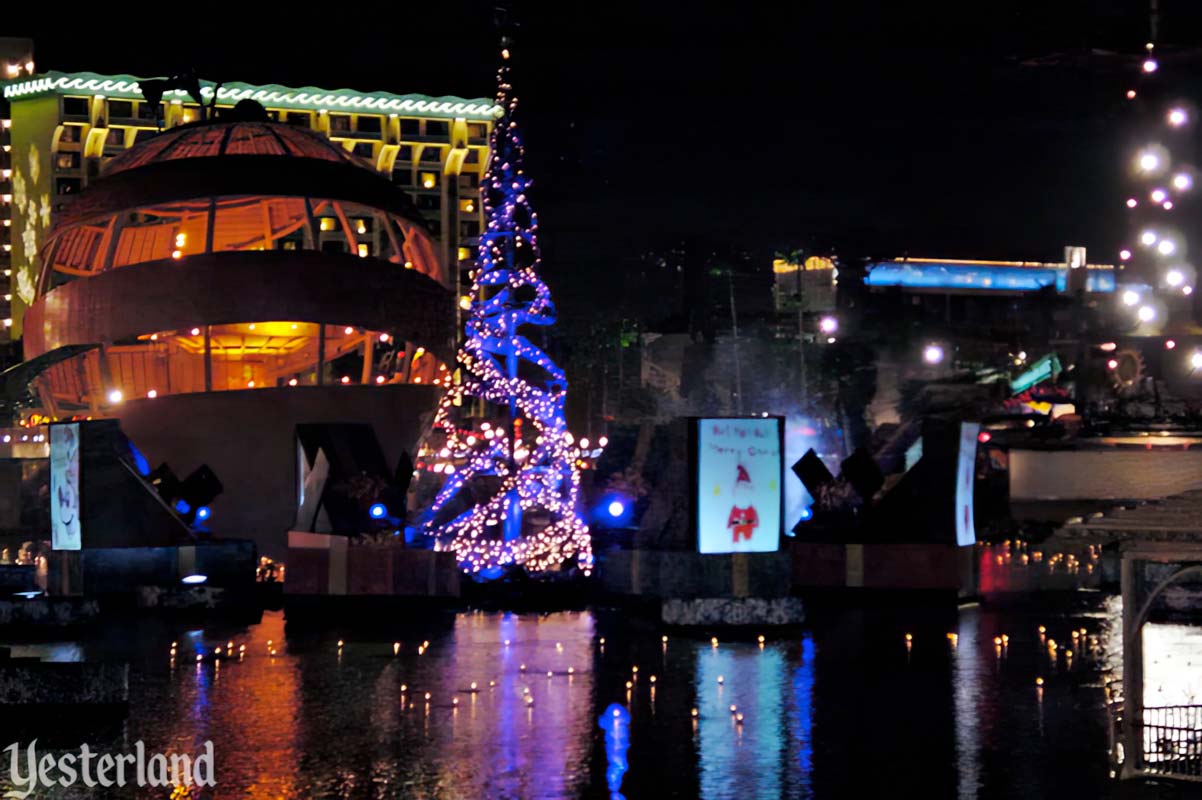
{"type": "Point", "coordinates": [1160, 181]}
{"type": "Point", "coordinates": [507, 294]}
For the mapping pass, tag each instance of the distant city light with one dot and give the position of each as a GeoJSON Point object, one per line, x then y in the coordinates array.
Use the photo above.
{"type": "Point", "coordinates": [203, 513]}
{"type": "Point", "coordinates": [1112, 364]}
{"type": "Point", "coordinates": [115, 396]}
{"type": "Point", "coordinates": [152, 394]}
{"type": "Point", "coordinates": [1150, 65]}
{"type": "Point", "coordinates": [1187, 290]}
{"type": "Point", "coordinates": [1167, 205]}
{"type": "Point", "coordinates": [1169, 344]}
{"type": "Point", "coordinates": [1108, 347]}
{"type": "Point", "coordinates": [616, 509]}
{"type": "Point", "coordinates": [1178, 117]}
{"type": "Point", "coordinates": [1195, 359]}
{"type": "Point", "coordinates": [1174, 277]}
{"type": "Point", "coordinates": [1130, 94]}
{"type": "Point", "coordinates": [1182, 181]}
{"type": "Point", "coordinates": [1146, 313]}
{"type": "Point", "coordinates": [1166, 247]}
{"type": "Point", "coordinates": [1149, 161]}
{"type": "Point", "coordinates": [377, 511]}
{"type": "Point", "coordinates": [1130, 297]}
{"type": "Point", "coordinates": [1159, 195]}
{"type": "Point", "coordinates": [1147, 238]}
{"type": "Point", "coordinates": [932, 354]}
{"type": "Point", "coordinates": [984, 436]}
{"type": "Point", "coordinates": [1124, 254]}
{"type": "Point", "coordinates": [828, 325]}
{"type": "Point", "coordinates": [195, 580]}
{"type": "Point", "coordinates": [1132, 202]}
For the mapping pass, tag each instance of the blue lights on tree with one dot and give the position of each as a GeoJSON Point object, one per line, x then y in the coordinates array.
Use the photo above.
{"type": "Point", "coordinates": [532, 517]}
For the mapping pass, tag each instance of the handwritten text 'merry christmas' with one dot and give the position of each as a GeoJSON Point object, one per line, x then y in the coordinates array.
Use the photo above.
{"type": "Point", "coordinates": [740, 439]}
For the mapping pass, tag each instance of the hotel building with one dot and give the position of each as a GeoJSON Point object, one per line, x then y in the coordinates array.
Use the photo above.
{"type": "Point", "coordinates": [63, 128]}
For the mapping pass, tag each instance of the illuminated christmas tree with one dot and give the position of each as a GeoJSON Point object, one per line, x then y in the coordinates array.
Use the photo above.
{"type": "Point", "coordinates": [538, 474]}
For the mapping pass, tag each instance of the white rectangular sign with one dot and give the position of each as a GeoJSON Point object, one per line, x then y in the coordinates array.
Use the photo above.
{"type": "Point", "coordinates": [966, 473]}
{"type": "Point", "coordinates": [739, 468]}
{"type": "Point", "coordinates": [65, 532]}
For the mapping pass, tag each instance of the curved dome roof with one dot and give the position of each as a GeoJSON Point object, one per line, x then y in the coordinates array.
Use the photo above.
{"type": "Point", "coordinates": [236, 138]}
{"type": "Point", "coordinates": [230, 157]}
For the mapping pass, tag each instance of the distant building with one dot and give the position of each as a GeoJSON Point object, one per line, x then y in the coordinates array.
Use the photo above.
{"type": "Point", "coordinates": [972, 276]}
{"type": "Point", "coordinates": [811, 283]}
{"type": "Point", "coordinates": [65, 127]}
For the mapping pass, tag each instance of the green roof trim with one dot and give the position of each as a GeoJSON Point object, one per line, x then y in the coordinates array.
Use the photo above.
{"type": "Point", "coordinates": [307, 98]}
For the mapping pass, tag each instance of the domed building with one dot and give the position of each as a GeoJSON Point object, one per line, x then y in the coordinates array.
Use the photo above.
{"type": "Point", "coordinates": [226, 281]}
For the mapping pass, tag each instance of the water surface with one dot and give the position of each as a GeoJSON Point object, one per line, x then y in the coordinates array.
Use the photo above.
{"type": "Point", "coordinates": [847, 708]}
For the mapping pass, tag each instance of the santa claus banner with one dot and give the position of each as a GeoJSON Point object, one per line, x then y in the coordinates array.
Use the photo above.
{"type": "Point", "coordinates": [739, 469]}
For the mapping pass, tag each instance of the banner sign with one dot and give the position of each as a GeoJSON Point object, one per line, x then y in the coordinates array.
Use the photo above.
{"type": "Point", "coordinates": [65, 532]}
{"type": "Point", "coordinates": [966, 473]}
{"type": "Point", "coordinates": [739, 471]}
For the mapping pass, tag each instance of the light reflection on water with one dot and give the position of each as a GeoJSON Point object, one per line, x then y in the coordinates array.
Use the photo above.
{"type": "Point", "coordinates": [742, 758]}
{"type": "Point", "coordinates": [843, 710]}
{"type": "Point", "coordinates": [965, 668]}
{"type": "Point", "coordinates": [1172, 664]}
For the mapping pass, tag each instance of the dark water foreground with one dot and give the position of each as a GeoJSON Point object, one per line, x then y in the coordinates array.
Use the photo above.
{"type": "Point", "coordinates": [846, 709]}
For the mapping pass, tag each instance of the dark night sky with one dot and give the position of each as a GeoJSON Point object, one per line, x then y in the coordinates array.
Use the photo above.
{"type": "Point", "coordinates": [876, 127]}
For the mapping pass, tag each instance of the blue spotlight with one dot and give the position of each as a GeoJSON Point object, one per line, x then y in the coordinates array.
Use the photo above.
{"type": "Point", "coordinates": [807, 514]}
{"type": "Point", "coordinates": [614, 510]}
{"type": "Point", "coordinates": [182, 506]}
{"type": "Point", "coordinates": [203, 513]}
{"type": "Point", "coordinates": [377, 511]}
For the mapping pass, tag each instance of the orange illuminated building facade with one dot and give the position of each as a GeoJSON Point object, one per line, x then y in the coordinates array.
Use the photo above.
{"type": "Point", "coordinates": [217, 278]}
{"type": "Point", "coordinates": [234, 256]}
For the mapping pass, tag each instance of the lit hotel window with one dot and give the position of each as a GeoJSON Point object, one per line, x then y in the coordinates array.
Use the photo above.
{"type": "Point", "coordinates": [364, 250]}
{"type": "Point", "coordinates": [327, 223]}
{"type": "Point", "coordinates": [429, 180]}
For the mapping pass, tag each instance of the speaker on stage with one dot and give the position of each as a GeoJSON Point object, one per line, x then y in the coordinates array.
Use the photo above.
{"type": "Point", "coordinates": [199, 489]}
{"type": "Point", "coordinates": [165, 482]}
{"type": "Point", "coordinates": [813, 472]}
{"type": "Point", "coordinates": [862, 473]}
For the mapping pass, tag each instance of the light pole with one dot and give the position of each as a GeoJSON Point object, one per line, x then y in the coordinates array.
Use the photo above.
{"type": "Point", "coordinates": [801, 332]}
{"type": "Point", "coordinates": [734, 326]}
